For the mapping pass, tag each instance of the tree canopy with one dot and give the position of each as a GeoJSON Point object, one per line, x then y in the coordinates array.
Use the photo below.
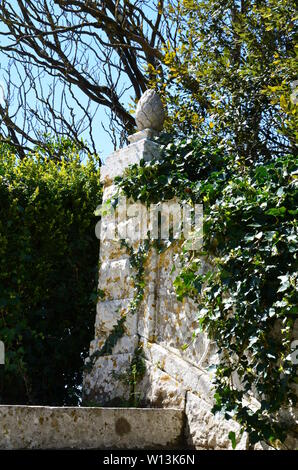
{"type": "Point", "coordinates": [227, 67]}
{"type": "Point", "coordinates": [242, 56]}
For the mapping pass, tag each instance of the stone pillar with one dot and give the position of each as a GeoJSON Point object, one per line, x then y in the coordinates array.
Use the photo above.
{"type": "Point", "coordinates": [104, 382]}
{"type": "Point", "coordinates": [174, 376]}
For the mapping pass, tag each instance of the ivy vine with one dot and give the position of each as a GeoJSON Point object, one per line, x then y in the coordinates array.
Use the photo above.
{"type": "Point", "coordinates": [248, 302]}
{"type": "Point", "coordinates": [136, 369]}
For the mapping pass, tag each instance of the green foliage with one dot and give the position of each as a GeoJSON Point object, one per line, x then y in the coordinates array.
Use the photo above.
{"type": "Point", "coordinates": [137, 261]}
{"type": "Point", "coordinates": [177, 173]}
{"type": "Point", "coordinates": [230, 71]}
{"type": "Point", "coordinates": [48, 266]}
{"type": "Point", "coordinates": [232, 437]}
{"type": "Point", "coordinates": [132, 375]}
{"type": "Point", "coordinates": [248, 301]}
{"type": "Point", "coordinates": [136, 372]}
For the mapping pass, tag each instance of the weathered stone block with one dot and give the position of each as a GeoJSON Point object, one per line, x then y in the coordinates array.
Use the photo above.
{"type": "Point", "coordinates": [190, 377]}
{"type": "Point", "coordinates": [209, 431]}
{"type": "Point", "coordinates": [109, 312]}
{"type": "Point", "coordinates": [147, 319]}
{"type": "Point", "coordinates": [44, 427]}
{"type": "Point", "coordinates": [143, 134]}
{"type": "Point", "coordinates": [176, 324]}
{"type": "Point", "coordinates": [159, 389]}
{"type": "Point", "coordinates": [116, 163]}
{"type": "Point", "coordinates": [105, 383]}
{"type": "Point", "coordinates": [115, 279]}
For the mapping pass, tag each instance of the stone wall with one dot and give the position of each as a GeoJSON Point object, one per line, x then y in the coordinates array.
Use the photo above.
{"type": "Point", "coordinates": [175, 375]}
{"type": "Point", "coordinates": [45, 427]}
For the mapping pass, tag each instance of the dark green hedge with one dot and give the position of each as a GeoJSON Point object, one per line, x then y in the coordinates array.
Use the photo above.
{"type": "Point", "coordinates": [48, 265]}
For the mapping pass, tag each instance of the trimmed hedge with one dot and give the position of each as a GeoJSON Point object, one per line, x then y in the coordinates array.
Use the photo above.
{"type": "Point", "coordinates": [48, 266]}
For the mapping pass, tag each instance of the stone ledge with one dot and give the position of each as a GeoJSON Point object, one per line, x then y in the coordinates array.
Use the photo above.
{"type": "Point", "coordinates": [208, 431]}
{"type": "Point", "coordinates": [43, 427]}
{"type": "Point", "coordinates": [188, 376]}
{"type": "Point", "coordinates": [144, 134]}
{"type": "Point", "coordinates": [118, 161]}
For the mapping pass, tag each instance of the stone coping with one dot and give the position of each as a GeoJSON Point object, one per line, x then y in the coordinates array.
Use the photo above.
{"type": "Point", "coordinates": [46, 427]}
{"type": "Point", "coordinates": [115, 164]}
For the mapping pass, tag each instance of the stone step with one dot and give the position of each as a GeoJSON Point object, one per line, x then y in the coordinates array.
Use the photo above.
{"type": "Point", "coordinates": [46, 427]}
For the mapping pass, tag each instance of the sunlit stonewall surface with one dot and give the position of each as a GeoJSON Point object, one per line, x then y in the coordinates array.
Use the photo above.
{"type": "Point", "coordinates": [42, 427]}
{"type": "Point", "coordinates": [178, 366]}
{"type": "Point", "coordinates": [175, 376]}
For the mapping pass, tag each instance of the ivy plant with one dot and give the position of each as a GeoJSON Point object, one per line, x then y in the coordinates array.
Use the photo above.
{"type": "Point", "coordinates": [247, 302]}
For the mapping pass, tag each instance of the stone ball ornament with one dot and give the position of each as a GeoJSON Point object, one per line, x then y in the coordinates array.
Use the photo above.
{"type": "Point", "coordinates": [150, 113]}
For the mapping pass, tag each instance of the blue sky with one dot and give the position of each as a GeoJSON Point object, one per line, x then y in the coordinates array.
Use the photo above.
{"type": "Point", "coordinates": [100, 136]}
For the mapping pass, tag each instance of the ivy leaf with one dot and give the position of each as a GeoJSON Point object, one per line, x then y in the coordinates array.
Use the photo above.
{"type": "Point", "coordinates": [277, 211]}
{"type": "Point", "coordinates": [232, 437]}
{"type": "Point", "coordinates": [285, 283]}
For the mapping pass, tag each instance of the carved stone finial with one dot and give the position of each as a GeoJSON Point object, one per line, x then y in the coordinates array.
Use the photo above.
{"type": "Point", "coordinates": [150, 113]}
